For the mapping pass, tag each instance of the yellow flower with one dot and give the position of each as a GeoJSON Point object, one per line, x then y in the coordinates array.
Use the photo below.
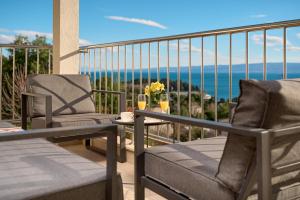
{"type": "Point", "coordinates": [147, 92]}
{"type": "Point", "coordinates": [162, 87]}
{"type": "Point", "coordinates": [155, 86]}
{"type": "Point", "coordinates": [152, 87]}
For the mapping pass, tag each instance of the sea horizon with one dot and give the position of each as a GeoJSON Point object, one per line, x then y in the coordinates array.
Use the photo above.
{"type": "Point", "coordinates": [274, 72]}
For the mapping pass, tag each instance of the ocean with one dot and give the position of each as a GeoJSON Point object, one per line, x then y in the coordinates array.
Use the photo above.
{"type": "Point", "coordinates": [274, 72]}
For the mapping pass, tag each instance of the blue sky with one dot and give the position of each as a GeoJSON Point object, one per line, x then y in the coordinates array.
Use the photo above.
{"type": "Point", "coordinates": [177, 16]}
{"type": "Point", "coordinates": [111, 20]}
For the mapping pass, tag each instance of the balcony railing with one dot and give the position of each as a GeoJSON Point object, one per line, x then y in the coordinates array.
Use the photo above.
{"type": "Point", "coordinates": [201, 81]}
{"type": "Point", "coordinates": [16, 62]}
{"type": "Point", "coordinates": [197, 90]}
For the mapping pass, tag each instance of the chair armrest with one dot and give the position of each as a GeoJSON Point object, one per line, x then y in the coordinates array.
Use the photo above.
{"type": "Point", "coordinates": [239, 130]}
{"type": "Point", "coordinates": [111, 131]}
{"type": "Point", "coordinates": [220, 126]}
{"type": "Point", "coordinates": [24, 108]}
{"type": "Point", "coordinates": [88, 131]}
{"type": "Point", "coordinates": [29, 94]}
{"type": "Point", "coordinates": [122, 98]}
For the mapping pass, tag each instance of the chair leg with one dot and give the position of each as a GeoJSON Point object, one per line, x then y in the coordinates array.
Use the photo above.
{"type": "Point", "coordinates": [122, 155]}
{"type": "Point", "coordinates": [87, 143]}
{"type": "Point", "coordinates": [140, 192]}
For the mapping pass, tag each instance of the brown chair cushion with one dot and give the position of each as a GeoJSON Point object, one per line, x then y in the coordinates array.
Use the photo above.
{"type": "Point", "coordinates": [262, 104]}
{"type": "Point", "coordinates": [70, 93]}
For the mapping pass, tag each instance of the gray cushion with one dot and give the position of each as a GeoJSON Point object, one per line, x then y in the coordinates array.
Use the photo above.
{"type": "Point", "coordinates": [37, 169]}
{"type": "Point", "coordinates": [86, 119]}
{"type": "Point", "coordinates": [70, 93]}
{"type": "Point", "coordinates": [262, 104]}
{"type": "Point", "coordinates": [189, 168]}
{"type": "Point", "coordinates": [4, 124]}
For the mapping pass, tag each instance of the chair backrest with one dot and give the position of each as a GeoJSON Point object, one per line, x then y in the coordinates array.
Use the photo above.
{"type": "Point", "coordinates": [71, 94]}
{"type": "Point", "coordinates": [268, 105]}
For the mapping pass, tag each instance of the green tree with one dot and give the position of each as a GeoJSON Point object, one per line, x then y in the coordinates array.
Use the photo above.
{"type": "Point", "coordinates": [19, 55]}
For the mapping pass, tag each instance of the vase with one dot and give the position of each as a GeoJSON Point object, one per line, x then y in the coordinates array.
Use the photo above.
{"type": "Point", "coordinates": [154, 108]}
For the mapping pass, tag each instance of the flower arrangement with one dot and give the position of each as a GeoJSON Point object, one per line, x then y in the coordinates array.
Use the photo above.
{"type": "Point", "coordinates": [154, 91]}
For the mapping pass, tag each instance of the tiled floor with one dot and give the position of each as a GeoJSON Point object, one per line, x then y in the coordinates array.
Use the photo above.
{"type": "Point", "coordinates": [126, 170]}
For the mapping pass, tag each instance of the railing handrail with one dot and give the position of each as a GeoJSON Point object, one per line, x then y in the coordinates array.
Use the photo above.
{"type": "Point", "coordinates": [248, 28]}
{"type": "Point", "coordinates": [22, 46]}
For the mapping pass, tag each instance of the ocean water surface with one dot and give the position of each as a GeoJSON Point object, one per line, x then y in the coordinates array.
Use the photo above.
{"type": "Point", "coordinates": [274, 72]}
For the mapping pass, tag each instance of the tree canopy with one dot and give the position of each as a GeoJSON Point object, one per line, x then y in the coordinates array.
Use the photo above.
{"type": "Point", "coordinates": [13, 87]}
{"type": "Point", "coordinates": [32, 66]}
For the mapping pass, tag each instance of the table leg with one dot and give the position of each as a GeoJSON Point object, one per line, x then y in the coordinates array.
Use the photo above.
{"type": "Point", "coordinates": [174, 132]}
{"type": "Point", "coordinates": [132, 136]}
{"type": "Point", "coordinates": [147, 136]}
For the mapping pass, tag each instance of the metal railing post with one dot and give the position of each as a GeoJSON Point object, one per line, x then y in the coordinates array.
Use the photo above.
{"type": "Point", "coordinates": [246, 55]}
{"type": "Point", "coordinates": [216, 78]}
{"type": "Point", "coordinates": [89, 62]}
{"type": "Point", "coordinates": [125, 74]}
{"type": "Point", "coordinates": [119, 78]}
{"type": "Point", "coordinates": [105, 103]}
{"type": "Point", "coordinates": [149, 72]}
{"type": "Point", "coordinates": [230, 67]}
{"type": "Point", "coordinates": [37, 61]}
{"type": "Point", "coordinates": [132, 77]}
{"type": "Point", "coordinates": [112, 81]}
{"type": "Point", "coordinates": [202, 85]}
{"type": "Point", "coordinates": [265, 53]}
{"type": "Point", "coordinates": [284, 54]}
{"type": "Point", "coordinates": [26, 62]}
{"type": "Point", "coordinates": [178, 88]}
{"type": "Point", "coordinates": [13, 83]}
{"type": "Point", "coordinates": [158, 65]}
{"type": "Point", "coordinates": [49, 63]}
{"type": "Point", "coordinates": [100, 80]}
{"type": "Point", "coordinates": [1, 74]}
{"type": "Point", "coordinates": [190, 87]}
{"type": "Point", "coordinates": [141, 71]}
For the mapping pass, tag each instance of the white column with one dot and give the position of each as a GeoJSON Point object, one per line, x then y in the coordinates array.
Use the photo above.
{"type": "Point", "coordinates": [65, 36]}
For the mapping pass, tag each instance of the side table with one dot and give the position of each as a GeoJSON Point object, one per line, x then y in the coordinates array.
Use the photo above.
{"type": "Point", "coordinates": [148, 122]}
